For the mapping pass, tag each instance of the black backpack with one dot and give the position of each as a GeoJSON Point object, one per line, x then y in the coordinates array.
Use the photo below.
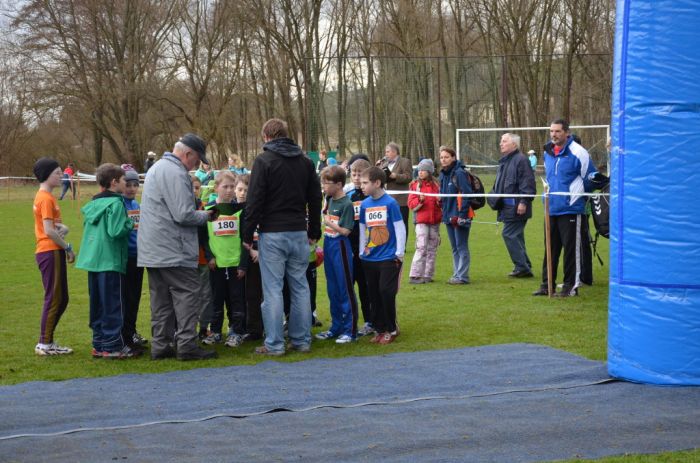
{"type": "Point", "coordinates": [600, 210]}
{"type": "Point", "coordinates": [477, 188]}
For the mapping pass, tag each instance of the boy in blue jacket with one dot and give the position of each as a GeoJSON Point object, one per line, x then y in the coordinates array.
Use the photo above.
{"type": "Point", "coordinates": [134, 274]}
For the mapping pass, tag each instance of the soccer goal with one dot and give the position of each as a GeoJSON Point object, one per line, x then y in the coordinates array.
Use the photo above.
{"type": "Point", "coordinates": [479, 148]}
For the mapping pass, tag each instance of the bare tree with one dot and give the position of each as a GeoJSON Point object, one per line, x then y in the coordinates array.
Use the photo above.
{"type": "Point", "coordinates": [125, 77]}
{"type": "Point", "coordinates": [105, 55]}
{"type": "Point", "coordinates": [204, 46]}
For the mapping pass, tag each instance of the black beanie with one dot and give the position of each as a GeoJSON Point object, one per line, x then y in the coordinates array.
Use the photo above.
{"type": "Point", "coordinates": [43, 168]}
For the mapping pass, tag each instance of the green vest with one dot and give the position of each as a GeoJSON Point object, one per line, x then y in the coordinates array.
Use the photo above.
{"type": "Point", "coordinates": [225, 237]}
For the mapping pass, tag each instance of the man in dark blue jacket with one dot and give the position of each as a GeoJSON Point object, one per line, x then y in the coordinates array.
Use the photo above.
{"type": "Point", "coordinates": [569, 172]}
{"type": "Point", "coordinates": [515, 176]}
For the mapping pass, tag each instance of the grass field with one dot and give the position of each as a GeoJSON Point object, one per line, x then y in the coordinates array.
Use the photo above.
{"type": "Point", "coordinates": [492, 310]}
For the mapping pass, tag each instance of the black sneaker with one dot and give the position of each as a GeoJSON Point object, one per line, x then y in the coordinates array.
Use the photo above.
{"type": "Point", "coordinates": [167, 353]}
{"type": "Point", "coordinates": [567, 292]}
{"type": "Point", "coordinates": [137, 349]}
{"type": "Point", "coordinates": [139, 340]}
{"type": "Point", "coordinates": [197, 354]}
{"type": "Point", "coordinates": [543, 291]}
{"type": "Point", "coordinates": [521, 274]}
{"type": "Point", "coordinates": [125, 353]}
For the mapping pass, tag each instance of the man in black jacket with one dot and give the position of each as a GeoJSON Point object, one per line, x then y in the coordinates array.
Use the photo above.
{"type": "Point", "coordinates": [515, 176]}
{"type": "Point", "coordinates": [284, 205]}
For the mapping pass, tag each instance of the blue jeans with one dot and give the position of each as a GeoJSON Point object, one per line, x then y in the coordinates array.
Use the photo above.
{"type": "Point", "coordinates": [459, 240]}
{"type": "Point", "coordinates": [285, 254]}
{"type": "Point", "coordinates": [106, 290]}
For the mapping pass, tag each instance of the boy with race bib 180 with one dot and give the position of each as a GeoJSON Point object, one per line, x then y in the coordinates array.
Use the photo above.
{"type": "Point", "coordinates": [228, 262]}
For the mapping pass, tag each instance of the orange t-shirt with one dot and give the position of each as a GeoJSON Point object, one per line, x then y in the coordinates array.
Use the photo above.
{"type": "Point", "coordinates": [45, 207]}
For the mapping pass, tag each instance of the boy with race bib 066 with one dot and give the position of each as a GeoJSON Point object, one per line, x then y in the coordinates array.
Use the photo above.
{"type": "Point", "coordinates": [382, 246]}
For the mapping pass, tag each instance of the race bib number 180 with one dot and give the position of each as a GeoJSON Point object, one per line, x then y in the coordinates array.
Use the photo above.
{"type": "Point", "coordinates": [376, 216]}
{"type": "Point", "coordinates": [225, 225]}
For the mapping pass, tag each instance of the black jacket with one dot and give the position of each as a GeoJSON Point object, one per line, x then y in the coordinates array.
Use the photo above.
{"type": "Point", "coordinates": [283, 187]}
{"type": "Point", "coordinates": [514, 176]}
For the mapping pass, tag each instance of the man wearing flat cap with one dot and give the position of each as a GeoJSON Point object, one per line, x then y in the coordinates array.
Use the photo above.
{"type": "Point", "coordinates": [168, 249]}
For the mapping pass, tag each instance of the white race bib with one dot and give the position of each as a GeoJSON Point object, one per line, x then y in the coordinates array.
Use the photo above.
{"type": "Point", "coordinates": [376, 216]}
{"type": "Point", "coordinates": [225, 225]}
{"type": "Point", "coordinates": [356, 207]}
{"type": "Point", "coordinates": [329, 231]}
{"type": "Point", "coordinates": [135, 216]}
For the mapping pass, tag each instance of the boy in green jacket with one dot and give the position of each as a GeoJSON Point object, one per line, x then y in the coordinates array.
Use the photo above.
{"type": "Point", "coordinates": [104, 253]}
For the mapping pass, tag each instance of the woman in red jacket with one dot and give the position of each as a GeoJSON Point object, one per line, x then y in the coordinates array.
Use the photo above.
{"type": "Point", "coordinates": [427, 214]}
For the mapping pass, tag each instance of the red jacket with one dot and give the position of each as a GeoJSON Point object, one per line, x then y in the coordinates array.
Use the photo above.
{"type": "Point", "coordinates": [430, 212]}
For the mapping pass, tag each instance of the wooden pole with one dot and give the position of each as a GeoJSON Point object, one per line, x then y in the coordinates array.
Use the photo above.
{"type": "Point", "coordinates": [77, 189]}
{"type": "Point", "coordinates": [548, 242]}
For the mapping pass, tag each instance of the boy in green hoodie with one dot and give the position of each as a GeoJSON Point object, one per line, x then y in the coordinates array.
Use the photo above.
{"type": "Point", "coordinates": [104, 254]}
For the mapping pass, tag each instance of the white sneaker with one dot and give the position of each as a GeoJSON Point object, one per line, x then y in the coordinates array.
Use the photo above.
{"type": "Point", "coordinates": [344, 339]}
{"type": "Point", "coordinates": [324, 335]}
{"type": "Point", "coordinates": [366, 330]}
{"type": "Point", "coordinates": [52, 349]}
{"type": "Point", "coordinates": [214, 338]}
{"type": "Point", "coordinates": [233, 340]}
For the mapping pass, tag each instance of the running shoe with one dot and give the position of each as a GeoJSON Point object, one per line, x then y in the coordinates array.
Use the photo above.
{"type": "Point", "coordinates": [214, 338]}
{"type": "Point", "coordinates": [366, 330]}
{"type": "Point", "coordinates": [325, 335]}
{"type": "Point", "coordinates": [233, 340]}
{"type": "Point", "coordinates": [52, 349]}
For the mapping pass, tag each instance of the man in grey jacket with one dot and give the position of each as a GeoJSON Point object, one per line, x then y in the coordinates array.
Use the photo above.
{"type": "Point", "coordinates": [515, 176]}
{"type": "Point", "coordinates": [168, 248]}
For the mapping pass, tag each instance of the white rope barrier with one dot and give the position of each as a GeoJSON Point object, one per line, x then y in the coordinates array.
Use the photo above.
{"type": "Point", "coordinates": [81, 176]}
{"type": "Point", "coordinates": [490, 166]}
{"type": "Point", "coordinates": [491, 195]}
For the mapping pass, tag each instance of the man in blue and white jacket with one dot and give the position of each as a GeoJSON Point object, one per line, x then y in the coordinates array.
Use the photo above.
{"type": "Point", "coordinates": [569, 170]}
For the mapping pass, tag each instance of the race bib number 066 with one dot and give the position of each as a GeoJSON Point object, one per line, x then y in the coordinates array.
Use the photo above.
{"type": "Point", "coordinates": [376, 216]}
{"type": "Point", "coordinates": [225, 225]}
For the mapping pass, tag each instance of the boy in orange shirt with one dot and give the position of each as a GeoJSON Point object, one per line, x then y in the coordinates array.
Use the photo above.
{"type": "Point", "coordinates": [52, 252]}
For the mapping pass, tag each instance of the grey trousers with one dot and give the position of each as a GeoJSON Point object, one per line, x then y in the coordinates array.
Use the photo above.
{"type": "Point", "coordinates": [514, 237]}
{"type": "Point", "coordinates": [174, 308]}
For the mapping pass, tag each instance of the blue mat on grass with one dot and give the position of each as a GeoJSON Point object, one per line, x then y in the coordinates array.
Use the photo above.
{"type": "Point", "coordinates": [504, 403]}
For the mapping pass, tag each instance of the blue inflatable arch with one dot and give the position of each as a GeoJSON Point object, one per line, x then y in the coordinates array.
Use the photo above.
{"type": "Point", "coordinates": [654, 321]}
